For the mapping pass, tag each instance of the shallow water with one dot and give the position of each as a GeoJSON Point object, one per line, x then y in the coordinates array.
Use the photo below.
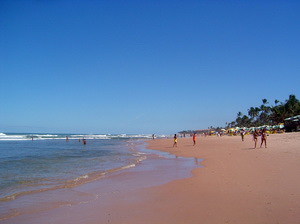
{"type": "Point", "coordinates": [73, 173]}
{"type": "Point", "coordinates": [27, 166]}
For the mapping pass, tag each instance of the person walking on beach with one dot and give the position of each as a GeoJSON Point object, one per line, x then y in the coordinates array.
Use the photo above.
{"type": "Point", "coordinates": [194, 138]}
{"type": "Point", "coordinates": [255, 136]}
{"type": "Point", "coordinates": [242, 135]}
{"type": "Point", "coordinates": [175, 141]}
{"type": "Point", "coordinates": [263, 138]}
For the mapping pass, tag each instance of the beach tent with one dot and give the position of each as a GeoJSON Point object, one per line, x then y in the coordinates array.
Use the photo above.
{"type": "Point", "coordinates": [295, 118]}
{"type": "Point", "coordinates": [279, 126]}
{"type": "Point", "coordinates": [292, 123]}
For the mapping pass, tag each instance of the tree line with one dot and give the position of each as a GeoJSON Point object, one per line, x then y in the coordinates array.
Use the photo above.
{"type": "Point", "coordinates": [267, 114]}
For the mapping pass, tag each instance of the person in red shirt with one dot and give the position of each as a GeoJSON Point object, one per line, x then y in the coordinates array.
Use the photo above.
{"type": "Point", "coordinates": [194, 138]}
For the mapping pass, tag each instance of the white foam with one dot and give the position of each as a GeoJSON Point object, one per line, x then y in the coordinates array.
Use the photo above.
{"type": "Point", "coordinates": [37, 136]}
{"type": "Point", "coordinates": [142, 159]}
{"type": "Point", "coordinates": [81, 177]}
{"type": "Point", "coordinates": [12, 137]}
{"type": "Point", "coordinates": [128, 166]}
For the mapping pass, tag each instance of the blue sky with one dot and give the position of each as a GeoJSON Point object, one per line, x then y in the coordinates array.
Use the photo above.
{"type": "Point", "coordinates": [143, 66]}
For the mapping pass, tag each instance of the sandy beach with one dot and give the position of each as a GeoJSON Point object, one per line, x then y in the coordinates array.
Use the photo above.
{"type": "Point", "coordinates": [237, 184]}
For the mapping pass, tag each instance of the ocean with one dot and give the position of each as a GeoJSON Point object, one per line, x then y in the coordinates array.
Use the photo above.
{"type": "Point", "coordinates": [35, 163]}
{"type": "Point", "coordinates": [55, 160]}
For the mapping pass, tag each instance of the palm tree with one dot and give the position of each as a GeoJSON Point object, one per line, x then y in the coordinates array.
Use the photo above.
{"type": "Point", "coordinates": [232, 124]}
{"type": "Point", "coordinates": [292, 106]}
{"type": "Point", "coordinates": [266, 114]}
{"type": "Point", "coordinates": [265, 101]}
{"type": "Point", "coordinates": [245, 121]}
{"type": "Point", "coordinates": [278, 114]}
{"type": "Point", "coordinates": [239, 119]}
{"type": "Point", "coordinates": [251, 112]}
{"type": "Point", "coordinates": [264, 117]}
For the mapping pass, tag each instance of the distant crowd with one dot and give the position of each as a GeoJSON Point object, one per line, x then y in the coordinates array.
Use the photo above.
{"type": "Point", "coordinates": [262, 133]}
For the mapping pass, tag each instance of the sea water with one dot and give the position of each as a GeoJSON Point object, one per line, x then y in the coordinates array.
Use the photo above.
{"type": "Point", "coordinates": [35, 162]}
{"type": "Point", "coordinates": [31, 164]}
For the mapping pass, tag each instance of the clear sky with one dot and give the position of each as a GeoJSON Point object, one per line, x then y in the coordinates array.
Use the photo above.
{"type": "Point", "coordinates": [158, 66]}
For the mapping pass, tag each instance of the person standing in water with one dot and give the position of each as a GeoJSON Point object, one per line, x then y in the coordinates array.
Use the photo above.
{"type": "Point", "coordinates": [175, 141]}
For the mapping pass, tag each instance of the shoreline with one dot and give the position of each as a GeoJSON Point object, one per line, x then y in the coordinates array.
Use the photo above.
{"type": "Point", "coordinates": [238, 184]}
{"type": "Point", "coordinates": [80, 179]}
{"type": "Point", "coordinates": [147, 173]}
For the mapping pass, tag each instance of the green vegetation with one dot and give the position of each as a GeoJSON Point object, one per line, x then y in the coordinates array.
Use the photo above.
{"type": "Point", "coordinates": [267, 114]}
{"type": "Point", "coordinates": [263, 116]}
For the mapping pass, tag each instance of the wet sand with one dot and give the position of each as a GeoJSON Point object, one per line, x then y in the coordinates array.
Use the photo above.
{"type": "Point", "coordinates": [95, 201]}
{"type": "Point", "coordinates": [238, 184]}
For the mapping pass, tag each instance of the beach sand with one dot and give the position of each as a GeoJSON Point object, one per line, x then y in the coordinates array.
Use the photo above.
{"type": "Point", "coordinates": [238, 184]}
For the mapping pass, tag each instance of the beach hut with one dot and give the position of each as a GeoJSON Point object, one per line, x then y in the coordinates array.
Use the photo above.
{"type": "Point", "coordinates": [292, 123]}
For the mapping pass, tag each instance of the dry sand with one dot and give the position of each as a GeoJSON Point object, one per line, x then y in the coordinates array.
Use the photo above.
{"type": "Point", "coordinates": [238, 184]}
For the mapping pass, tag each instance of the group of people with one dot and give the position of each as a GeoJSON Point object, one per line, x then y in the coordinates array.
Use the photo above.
{"type": "Point", "coordinates": [176, 140]}
{"type": "Point", "coordinates": [83, 140]}
{"type": "Point", "coordinates": [255, 134]}
{"type": "Point", "coordinates": [263, 135]}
